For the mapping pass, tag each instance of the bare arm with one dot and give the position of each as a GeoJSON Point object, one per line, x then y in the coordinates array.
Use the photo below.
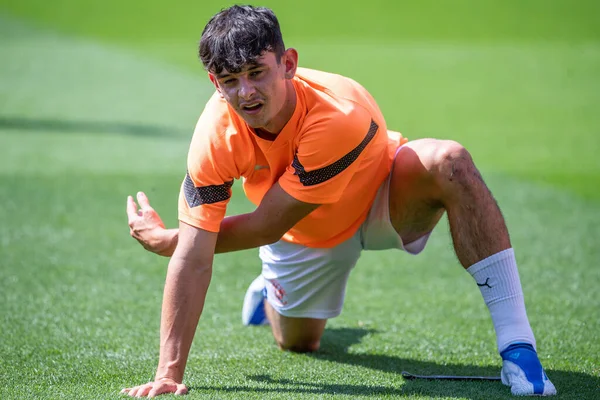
{"type": "Point", "coordinates": [187, 281]}
{"type": "Point", "coordinates": [189, 274]}
{"type": "Point", "coordinates": [276, 214]}
{"type": "Point", "coordinates": [188, 277]}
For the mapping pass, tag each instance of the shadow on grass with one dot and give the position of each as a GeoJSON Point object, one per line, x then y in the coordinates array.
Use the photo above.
{"type": "Point", "coordinates": [335, 345]}
{"type": "Point", "coordinates": [63, 126]}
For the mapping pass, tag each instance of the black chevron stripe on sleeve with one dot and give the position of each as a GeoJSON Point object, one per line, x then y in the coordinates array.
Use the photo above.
{"type": "Point", "coordinates": [196, 196]}
{"type": "Point", "coordinates": [321, 175]}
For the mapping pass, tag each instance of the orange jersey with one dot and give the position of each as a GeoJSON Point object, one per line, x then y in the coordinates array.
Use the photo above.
{"type": "Point", "coordinates": [335, 151]}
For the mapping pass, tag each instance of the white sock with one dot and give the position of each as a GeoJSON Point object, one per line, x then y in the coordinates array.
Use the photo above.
{"type": "Point", "coordinates": [498, 280]}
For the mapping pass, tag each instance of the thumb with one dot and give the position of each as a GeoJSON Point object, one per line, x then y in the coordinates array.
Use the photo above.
{"type": "Point", "coordinates": [181, 389]}
{"type": "Point", "coordinates": [143, 200]}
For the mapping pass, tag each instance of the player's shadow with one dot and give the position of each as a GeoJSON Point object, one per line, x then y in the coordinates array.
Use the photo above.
{"type": "Point", "coordinates": [65, 126]}
{"type": "Point", "coordinates": [337, 341]}
{"type": "Point", "coordinates": [334, 348]}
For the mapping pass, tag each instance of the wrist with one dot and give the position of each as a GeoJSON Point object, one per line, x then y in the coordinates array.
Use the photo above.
{"type": "Point", "coordinates": [166, 373]}
{"type": "Point", "coordinates": [169, 239]}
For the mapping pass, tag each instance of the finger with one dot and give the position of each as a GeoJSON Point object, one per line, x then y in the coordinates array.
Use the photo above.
{"type": "Point", "coordinates": [181, 389]}
{"type": "Point", "coordinates": [131, 207]}
{"type": "Point", "coordinates": [143, 200]}
{"type": "Point", "coordinates": [161, 389]}
{"type": "Point", "coordinates": [125, 391]}
{"type": "Point", "coordinates": [133, 391]}
{"type": "Point", "coordinates": [144, 390]}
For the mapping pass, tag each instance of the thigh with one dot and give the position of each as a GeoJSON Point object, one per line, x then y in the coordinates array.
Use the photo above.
{"type": "Point", "coordinates": [413, 198]}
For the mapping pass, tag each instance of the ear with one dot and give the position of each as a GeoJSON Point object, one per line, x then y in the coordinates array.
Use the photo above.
{"type": "Point", "coordinates": [290, 61]}
{"type": "Point", "coordinates": [215, 82]}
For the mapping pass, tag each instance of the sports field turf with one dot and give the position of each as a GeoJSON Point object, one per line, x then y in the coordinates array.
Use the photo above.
{"type": "Point", "coordinates": [99, 99]}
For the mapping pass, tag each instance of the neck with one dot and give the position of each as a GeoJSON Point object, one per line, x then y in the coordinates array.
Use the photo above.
{"type": "Point", "coordinates": [285, 114]}
{"type": "Point", "coordinates": [261, 133]}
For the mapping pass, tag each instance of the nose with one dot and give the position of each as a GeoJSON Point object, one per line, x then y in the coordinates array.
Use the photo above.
{"type": "Point", "coordinates": [246, 89]}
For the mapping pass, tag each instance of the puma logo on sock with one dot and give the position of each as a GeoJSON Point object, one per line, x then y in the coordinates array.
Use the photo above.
{"type": "Point", "coordinates": [484, 283]}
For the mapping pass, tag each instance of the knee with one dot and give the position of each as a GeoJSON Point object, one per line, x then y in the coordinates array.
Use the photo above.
{"type": "Point", "coordinates": [452, 164]}
{"type": "Point", "coordinates": [300, 346]}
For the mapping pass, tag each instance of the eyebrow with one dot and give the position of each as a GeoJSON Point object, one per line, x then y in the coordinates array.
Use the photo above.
{"type": "Point", "coordinates": [250, 68]}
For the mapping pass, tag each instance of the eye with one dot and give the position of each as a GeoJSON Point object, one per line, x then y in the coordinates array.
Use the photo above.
{"type": "Point", "coordinates": [229, 81]}
{"type": "Point", "coordinates": [255, 74]}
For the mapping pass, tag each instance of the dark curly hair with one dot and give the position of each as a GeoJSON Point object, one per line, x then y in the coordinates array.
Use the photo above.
{"type": "Point", "coordinates": [238, 36]}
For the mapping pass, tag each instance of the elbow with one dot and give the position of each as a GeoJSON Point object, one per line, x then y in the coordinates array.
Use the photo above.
{"type": "Point", "coordinates": [272, 235]}
{"type": "Point", "coordinates": [270, 238]}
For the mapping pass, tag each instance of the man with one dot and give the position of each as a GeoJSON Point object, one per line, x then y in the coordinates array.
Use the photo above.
{"type": "Point", "coordinates": [329, 180]}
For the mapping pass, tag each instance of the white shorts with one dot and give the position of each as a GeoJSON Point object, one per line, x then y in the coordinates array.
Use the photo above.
{"type": "Point", "coordinates": [306, 282]}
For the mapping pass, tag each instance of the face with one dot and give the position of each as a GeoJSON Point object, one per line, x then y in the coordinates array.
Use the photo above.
{"type": "Point", "coordinates": [262, 93]}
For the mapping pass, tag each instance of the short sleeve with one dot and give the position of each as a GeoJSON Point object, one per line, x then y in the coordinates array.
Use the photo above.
{"type": "Point", "coordinates": [211, 170]}
{"type": "Point", "coordinates": [328, 155]}
{"type": "Point", "coordinates": [203, 206]}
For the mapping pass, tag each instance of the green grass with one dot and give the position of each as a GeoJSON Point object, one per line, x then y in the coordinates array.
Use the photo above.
{"type": "Point", "coordinates": [516, 75]}
{"type": "Point", "coordinates": [98, 100]}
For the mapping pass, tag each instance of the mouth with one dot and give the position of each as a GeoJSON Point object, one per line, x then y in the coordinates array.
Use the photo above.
{"type": "Point", "coordinates": [252, 108]}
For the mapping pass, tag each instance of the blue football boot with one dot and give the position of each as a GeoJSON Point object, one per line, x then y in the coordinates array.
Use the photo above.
{"type": "Point", "coordinates": [523, 372]}
{"type": "Point", "coordinates": [253, 311]}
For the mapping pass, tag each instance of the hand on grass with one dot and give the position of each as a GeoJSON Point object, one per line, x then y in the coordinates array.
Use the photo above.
{"type": "Point", "coordinates": [152, 389]}
{"type": "Point", "coordinates": [146, 226]}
